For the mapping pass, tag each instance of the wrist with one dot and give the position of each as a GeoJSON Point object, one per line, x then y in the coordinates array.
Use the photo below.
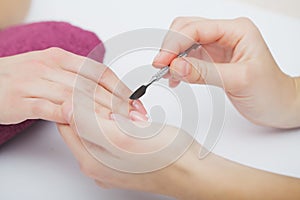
{"type": "Point", "coordinates": [297, 90]}
{"type": "Point", "coordinates": [176, 179]}
{"type": "Point", "coordinates": [293, 115]}
{"type": "Point", "coordinates": [209, 178]}
{"type": "Point", "coordinates": [189, 177]}
{"type": "Point", "coordinates": [288, 108]}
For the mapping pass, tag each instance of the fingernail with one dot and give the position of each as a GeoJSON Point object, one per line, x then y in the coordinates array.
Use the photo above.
{"type": "Point", "coordinates": [156, 58]}
{"type": "Point", "coordinates": [136, 116]}
{"type": "Point", "coordinates": [139, 107]}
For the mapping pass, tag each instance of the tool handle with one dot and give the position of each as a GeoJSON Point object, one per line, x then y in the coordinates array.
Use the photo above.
{"type": "Point", "coordinates": [163, 71]}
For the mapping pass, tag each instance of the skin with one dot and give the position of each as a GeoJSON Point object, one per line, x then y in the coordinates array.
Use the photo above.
{"type": "Point", "coordinates": [37, 85]}
{"type": "Point", "coordinates": [13, 12]}
{"type": "Point", "coordinates": [188, 177]}
{"type": "Point", "coordinates": [240, 63]}
{"type": "Point", "coordinates": [239, 51]}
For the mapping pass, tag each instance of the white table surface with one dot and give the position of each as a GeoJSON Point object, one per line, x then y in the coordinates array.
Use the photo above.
{"type": "Point", "coordinates": [37, 164]}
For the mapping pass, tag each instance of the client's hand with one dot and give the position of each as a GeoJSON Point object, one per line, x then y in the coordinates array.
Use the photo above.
{"type": "Point", "coordinates": [38, 84]}
{"type": "Point", "coordinates": [120, 154]}
{"type": "Point", "coordinates": [233, 55]}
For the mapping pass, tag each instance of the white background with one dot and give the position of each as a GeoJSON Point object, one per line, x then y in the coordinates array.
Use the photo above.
{"type": "Point", "coordinates": [37, 164]}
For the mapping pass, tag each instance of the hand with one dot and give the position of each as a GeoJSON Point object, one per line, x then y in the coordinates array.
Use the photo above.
{"type": "Point", "coordinates": [179, 174]}
{"type": "Point", "coordinates": [38, 84]}
{"type": "Point", "coordinates": [234, 56]}
{"type": "Point", "coordinates": [115, 159]}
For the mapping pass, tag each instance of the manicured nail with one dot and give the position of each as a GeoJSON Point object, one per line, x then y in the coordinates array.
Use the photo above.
{"type": "Point", "coordinates": [139, 107]}
{"type": "Point", "coordinates": [136, 116]}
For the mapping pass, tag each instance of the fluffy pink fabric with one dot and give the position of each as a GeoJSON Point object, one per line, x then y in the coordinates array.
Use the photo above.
{"type": "Point", "coordinates": [39, 36]}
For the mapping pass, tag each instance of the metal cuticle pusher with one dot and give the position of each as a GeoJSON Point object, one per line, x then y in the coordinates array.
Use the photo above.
{"type": "Point", "coordinates": [156, 77]}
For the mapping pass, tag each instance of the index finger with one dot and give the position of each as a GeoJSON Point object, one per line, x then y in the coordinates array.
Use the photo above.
{"type": "Point", "coordinates": [92, 70]}
{"type": "Point", "coordinates": [203, 31]}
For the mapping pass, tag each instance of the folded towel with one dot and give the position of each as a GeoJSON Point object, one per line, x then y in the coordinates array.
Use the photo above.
{"type": "Point", "coordinates": [39, 36]}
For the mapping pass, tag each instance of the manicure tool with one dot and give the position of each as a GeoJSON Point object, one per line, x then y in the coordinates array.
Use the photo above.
{"type": "Point", "coordinates": [156, 77]}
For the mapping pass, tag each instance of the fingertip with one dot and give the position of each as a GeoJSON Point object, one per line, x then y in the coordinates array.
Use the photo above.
{"type": "Point", "coordinates": [138, 105]}
{"type": "Point", "coordinates": [163, 58]}
{"type": "Point", "coordinates": [181, 67]}
{"type": "Point", "coordinates": [173, 83]}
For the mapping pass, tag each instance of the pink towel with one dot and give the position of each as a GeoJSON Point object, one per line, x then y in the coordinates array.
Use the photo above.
{"type": "Point", "coordinates": [39, 36]}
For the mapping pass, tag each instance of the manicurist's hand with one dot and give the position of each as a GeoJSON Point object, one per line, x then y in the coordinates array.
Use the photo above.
{"type": "Point", "coordinates": [234, 56]}
{"type": "Point", "coordinates": [38, 84]}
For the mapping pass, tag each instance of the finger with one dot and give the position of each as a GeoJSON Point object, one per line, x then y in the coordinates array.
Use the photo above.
{"type": "Point", "coordinates": [201, 31]}
{"type": "Point", "coordinates": [173, 83]}
{"type": "Point", "coordinates": [92, 70]}
{"type": "Point", "coordinates": [45, 89]}
{"type": "Point", "coordinates": [102, 184]}
{"type": "Point", "coordinates": [174, 34]}
{"type": "Point", "coordinates": [112, 102]}
{"type": "Point", "coordinates": [73, 142]}
{"type": "Point", "coordinates": [179, 22]}
{"type": "Point", "coordinates": [43, 109]}
{"type": "Point", "coordinates": [80, 100]}
{"type": "Point", "coordinates": [111, 99]}
{"type": "Point", "coordinates": [87, 130]}
{"type": "Point", "coordinates": [91, 89]}
{"type": "Point", "coordinates": [103, 112]}
{"type": "Point", "coordinates": [193, 70]}
{"type": "Point", "coordinates": [88, 164]}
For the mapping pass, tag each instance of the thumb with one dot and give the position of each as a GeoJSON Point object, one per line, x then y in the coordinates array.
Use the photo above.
{"type": "Point", "coordinates": [197, 71]}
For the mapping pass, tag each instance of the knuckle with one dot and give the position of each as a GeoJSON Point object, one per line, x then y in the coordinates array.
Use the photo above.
{"type": "Point", "coordinates": [199, 71]}
{"type": "Point", "coordinates": [53, 51]}
{"type": "Point", "coordinates": [243, 20]}
{"type": "Point", "coordinates": [179, 20]}
{"type": "Point", "coordinates": [248, 23]}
